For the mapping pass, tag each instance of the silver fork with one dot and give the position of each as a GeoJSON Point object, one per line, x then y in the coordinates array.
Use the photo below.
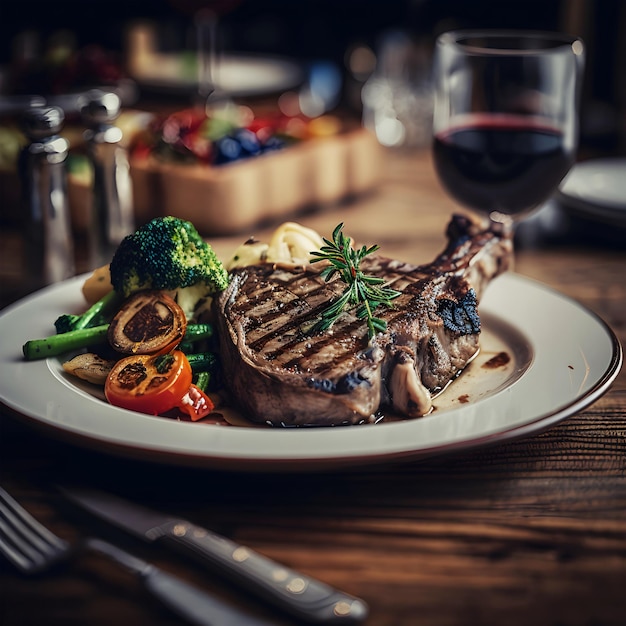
{"type": "Point", "coordinates": [33, 549]}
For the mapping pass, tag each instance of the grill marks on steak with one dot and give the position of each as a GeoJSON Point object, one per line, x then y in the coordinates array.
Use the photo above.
{"type": "Point", "coordinates": [281, 373]}
{"type": "Point", "coordinates": [276, 318]}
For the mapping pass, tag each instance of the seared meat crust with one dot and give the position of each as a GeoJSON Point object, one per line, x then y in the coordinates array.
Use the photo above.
{"type": "Point", "coordinates": [281, 373]}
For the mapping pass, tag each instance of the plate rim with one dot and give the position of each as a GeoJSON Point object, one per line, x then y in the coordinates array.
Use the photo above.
{"type": "Point", "coordinates": [216, 459]}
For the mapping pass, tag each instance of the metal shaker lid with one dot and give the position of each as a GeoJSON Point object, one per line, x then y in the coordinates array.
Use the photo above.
{"type": "Point", "coordinates": [39, 122]}
{"type": "Point", "coordinates": [100, 107]}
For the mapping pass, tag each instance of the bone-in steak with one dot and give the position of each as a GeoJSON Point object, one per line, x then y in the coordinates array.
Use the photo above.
{"type": "Point", "coordinates": [281, 373]}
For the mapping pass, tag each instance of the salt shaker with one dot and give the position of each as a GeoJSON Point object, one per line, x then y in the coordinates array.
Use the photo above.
{"type": "Point", "coordinates": [49, 250]}
{"type": "Point", "coordinates": [111, 210]}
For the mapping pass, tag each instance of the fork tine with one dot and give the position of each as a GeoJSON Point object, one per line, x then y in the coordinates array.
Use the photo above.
{"type": "Point", "coordinates": [19, 548]}
{"type": "Point", "coordinates": [27, 543]}
{"type": "Point", "coordinates": [15, 556]}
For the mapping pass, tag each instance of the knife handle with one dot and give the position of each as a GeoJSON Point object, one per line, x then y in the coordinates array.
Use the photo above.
{"type": "Point", "coordinates": [297, 594]}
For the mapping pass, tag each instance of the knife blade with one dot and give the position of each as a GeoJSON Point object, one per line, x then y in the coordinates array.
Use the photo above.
{"type": "Point", "coordinates": [190, 602]}
{"type": "Point", "coordinates": [293, 592]}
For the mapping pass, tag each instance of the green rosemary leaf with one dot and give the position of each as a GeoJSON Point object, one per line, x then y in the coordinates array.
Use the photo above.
{"type": "Point", "coordinates": [364, 292]}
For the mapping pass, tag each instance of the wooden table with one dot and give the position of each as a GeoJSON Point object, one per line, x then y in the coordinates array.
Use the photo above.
{"type": "Point", "coordinates": [526, 532]}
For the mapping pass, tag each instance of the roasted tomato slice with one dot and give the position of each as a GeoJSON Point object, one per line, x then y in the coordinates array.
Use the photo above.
{"type": "Point", "coordinates": [151, 384]}
{"type": "Point", "coordinates": [196, 403]}
{"type": "Point", "coordinates": [149, 322]}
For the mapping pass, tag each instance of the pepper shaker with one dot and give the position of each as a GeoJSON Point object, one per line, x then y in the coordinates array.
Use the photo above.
{"type": "Point", "coordinates": [49, 250]}
{"type": "Point", "coordinates": [111, 211]}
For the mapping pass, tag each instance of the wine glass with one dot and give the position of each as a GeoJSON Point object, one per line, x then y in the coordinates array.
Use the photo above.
{"type": "Point", "coordinates": [505, 123]}
{"type": "Point", "coordinates": [206, 14]}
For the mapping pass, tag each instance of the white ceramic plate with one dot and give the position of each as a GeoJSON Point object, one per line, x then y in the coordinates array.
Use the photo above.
{"type": "Point", "coordinates": [235, 76]}
{"type": "Point", "coordinates": [596, 189]}
{"type": "Point", "coordinates": [561, 358]}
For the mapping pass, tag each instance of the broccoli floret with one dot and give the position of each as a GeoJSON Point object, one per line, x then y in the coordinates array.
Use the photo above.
{"type": "Point", "coordinates": [168, 253]}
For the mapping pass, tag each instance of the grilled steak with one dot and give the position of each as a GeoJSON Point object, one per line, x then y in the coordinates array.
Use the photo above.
{"type": "Point", "coordinates": [281, 373]}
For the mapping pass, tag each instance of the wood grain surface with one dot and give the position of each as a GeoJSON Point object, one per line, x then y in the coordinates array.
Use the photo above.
{"type": "Point", "coordinates": [529, 532]}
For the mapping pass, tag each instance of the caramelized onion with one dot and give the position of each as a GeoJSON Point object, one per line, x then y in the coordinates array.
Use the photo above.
{"type": "Point", "coordinates": [90, 367]}
{"type": "Point", "coordinates": [149, 322]}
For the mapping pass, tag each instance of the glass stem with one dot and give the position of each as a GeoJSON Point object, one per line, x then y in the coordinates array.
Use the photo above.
{"type": "Point", "coordinates": [206, 36]}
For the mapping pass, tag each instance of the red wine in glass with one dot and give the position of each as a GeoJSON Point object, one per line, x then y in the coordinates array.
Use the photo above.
{"type": "Point", "coordinates": [501, 163]}
{"type": "Point", "coordinates": [505, 123]}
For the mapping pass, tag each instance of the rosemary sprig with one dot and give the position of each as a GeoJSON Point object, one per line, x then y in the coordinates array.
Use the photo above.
{"type": "Point", "coordinates": [364, 292]}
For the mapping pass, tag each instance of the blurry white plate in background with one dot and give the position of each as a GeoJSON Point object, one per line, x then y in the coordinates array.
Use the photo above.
{"type": "Point", "coordinates": [596, 189]}
{"type": "Point", "coordinates": [235, 76]}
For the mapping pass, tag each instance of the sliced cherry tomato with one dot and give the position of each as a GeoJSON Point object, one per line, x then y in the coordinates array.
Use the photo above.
{"type": "Point", "coordinates": [150, 384]}
{"type": "Point", "coordinates": [196, 403]}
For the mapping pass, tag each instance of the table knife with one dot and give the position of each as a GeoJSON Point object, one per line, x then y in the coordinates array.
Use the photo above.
{"type": "Point", "coordinates": [190, 602]}
{"type": "Point", "coordinates": [297, 594]}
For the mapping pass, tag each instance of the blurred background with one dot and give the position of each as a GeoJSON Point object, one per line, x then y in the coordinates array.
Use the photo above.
{"type": "Point", "coordinates": [349, 36]}
{"type": "Point", "coordinates": [204, 83]}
